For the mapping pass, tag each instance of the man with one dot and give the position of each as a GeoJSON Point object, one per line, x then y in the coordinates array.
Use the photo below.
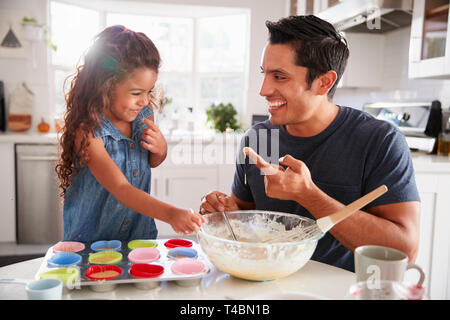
{"type": "Point", "coordinates": [331, 155]}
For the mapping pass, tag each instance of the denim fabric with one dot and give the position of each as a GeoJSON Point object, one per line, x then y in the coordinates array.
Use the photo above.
{"type": "Point", "coordinates": [90, 212]}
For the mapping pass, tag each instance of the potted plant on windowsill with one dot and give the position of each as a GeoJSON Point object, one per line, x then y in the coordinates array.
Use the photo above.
{"type": "Point", "coordinates": [222, 117]}
{"type": "Point", "coordinates": [33, 31]}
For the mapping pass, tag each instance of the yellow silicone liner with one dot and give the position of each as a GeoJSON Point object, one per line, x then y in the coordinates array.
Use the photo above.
{"type": "Point", "coordinates": [105, 257]}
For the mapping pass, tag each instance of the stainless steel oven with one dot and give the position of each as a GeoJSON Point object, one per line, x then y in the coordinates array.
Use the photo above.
{"type": "Point", "coordinates": [38, 206]}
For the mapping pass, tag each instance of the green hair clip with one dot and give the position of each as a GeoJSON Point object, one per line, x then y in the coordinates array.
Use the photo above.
{"type": "Point", "coordinates": [110, 64]}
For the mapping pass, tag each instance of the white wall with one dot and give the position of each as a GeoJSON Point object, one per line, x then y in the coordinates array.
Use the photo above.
{"type": "Point", "coordinates": [14, 71]}
{"type": "Point", "coordinates": [396, 85]}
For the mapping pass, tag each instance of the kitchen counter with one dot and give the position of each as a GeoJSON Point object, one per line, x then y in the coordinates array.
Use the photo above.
{"type": "Point", "coordinates": [29, 137]}
{"type": "Point", "coordinates": [422, 161]}
{"type": "Point", "coordinates": [430, 163]}
{"type": "Point", "coordinates": [314, 281]}
{"type": "Point", "coordinates": [207, 137]}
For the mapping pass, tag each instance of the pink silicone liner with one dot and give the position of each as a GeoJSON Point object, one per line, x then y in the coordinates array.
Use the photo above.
{"type": "Point", "coordinates": [68, 246]}
{"type": "Point", "coordinates": [187, 266]}
{"type": "Point", "coordinates": [143, 255]}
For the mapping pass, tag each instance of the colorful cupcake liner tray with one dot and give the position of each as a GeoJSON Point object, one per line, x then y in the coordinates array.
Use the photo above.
{"type": "Point", "coordinates": [168, 255]}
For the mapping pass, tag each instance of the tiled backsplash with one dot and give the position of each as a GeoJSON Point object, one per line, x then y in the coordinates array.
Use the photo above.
{"type": "Point", "coordinates": [396, 85]}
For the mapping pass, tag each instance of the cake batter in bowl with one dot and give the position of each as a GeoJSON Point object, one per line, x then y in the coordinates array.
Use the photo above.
{"type": "Point", "coordinates": [249, 257]}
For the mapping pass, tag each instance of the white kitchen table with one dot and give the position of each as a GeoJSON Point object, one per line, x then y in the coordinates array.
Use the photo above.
{"type": "Point", "coordinates": [314, 281]}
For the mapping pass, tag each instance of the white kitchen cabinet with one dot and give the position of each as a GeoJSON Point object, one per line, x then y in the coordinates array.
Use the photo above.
{"type": "Point", "coordinates": [193, 167]}
{"type": "Point", "coordinates": [191, 170]}
{"type": "Point", "coordinates": [433, 182]}
{"type": "Point", "coordinates": [429, 49]}
{"type": "Point", "coordinates": [182, 186]}
{"type": "Point", "coordinates": [365, 63]}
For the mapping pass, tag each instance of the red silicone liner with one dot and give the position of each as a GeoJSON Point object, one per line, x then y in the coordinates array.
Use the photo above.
{"type": "Point", "coordinates": [173, 243]}
{"type": "Point", "coordinates": [96, 269]}
{"type": "Point", "coordinates": [144, 270]}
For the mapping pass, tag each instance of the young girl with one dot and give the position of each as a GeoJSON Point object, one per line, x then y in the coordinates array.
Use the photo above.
{"type": "Point", "coordinates": [110, 143]}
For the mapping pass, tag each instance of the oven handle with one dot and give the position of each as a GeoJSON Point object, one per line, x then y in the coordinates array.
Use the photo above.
{"type": "Point", "coordinates": [38, 158]}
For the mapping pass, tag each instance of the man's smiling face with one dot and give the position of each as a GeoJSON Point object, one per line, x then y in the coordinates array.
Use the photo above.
{"type": "Point", "coordinates": [285, 88]}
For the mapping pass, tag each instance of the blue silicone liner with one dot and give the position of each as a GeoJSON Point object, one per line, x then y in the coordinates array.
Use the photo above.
{"type": "Point", "coordinates": [64, 259]}
{"type": "Point", "coordinates": [182, 252]}
{"type": "Point", "coordinates": [104, 245]}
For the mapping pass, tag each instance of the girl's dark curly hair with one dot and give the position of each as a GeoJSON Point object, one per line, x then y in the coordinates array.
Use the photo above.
{"type": "Point", "coordinates": [115, 53]}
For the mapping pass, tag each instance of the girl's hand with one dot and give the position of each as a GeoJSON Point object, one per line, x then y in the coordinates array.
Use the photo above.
{"type": "Point", "coordinates": [185, 221]}
{"type": "Point", "coordinates": [152, 139]}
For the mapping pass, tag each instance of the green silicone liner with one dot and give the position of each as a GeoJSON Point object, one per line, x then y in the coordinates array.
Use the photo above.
{"type": "Point", "coordinates": [134, 244]}
{"type": "Point", "coordinates": [63, 274]}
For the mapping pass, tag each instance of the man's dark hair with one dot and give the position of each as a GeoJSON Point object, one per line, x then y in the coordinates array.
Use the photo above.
{"type": "Point", "coordinates": [318, 46]}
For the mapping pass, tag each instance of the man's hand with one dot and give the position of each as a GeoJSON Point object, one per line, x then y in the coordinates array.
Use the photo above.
{"type": "Point", "coordinates": [293, 183]}
{"type": "Point", "coordinates": [216, 201]}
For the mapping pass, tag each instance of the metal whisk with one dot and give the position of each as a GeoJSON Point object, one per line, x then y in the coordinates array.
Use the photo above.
{"type": "Point", "coordinates": [227, 222]}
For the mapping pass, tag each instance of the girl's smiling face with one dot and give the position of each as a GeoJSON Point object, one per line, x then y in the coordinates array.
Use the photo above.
{"type": "Point", "coordinates": [131, 95]}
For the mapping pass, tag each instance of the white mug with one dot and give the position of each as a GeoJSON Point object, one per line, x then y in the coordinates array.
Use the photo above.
{"type": "Point", "coordinates": [44, 289]}
{"type": "Point", "coordinates": [383, 263]}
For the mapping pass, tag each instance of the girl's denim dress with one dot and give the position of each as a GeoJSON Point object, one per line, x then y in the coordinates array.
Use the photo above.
{"type": "Point", "coordinates": [91, 213]}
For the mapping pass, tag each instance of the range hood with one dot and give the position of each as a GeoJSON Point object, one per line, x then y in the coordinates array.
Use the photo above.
{"type": "Point", "coordinates": [369, 16]}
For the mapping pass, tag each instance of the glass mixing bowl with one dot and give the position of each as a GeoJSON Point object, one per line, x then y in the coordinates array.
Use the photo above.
{"type": "Point", "coordinates": [249, 257]}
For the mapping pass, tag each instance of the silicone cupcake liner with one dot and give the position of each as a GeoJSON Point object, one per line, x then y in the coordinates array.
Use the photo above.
{"type": "Point", "coordinates": [182, 252]}
{"type": "Point", "coordinates": [134, 244]}
{"type": "Point", "coordinates": [143, 255]}
{"type": "Point", "coordinates": [187, 266]}
{"type": "Point", "coordinates": [105, 257]}
{"type": "Point", "coordinates": [143, 270]}
{"type": "Point", "coordinates": [66, 275]}
{"type": "Point", "coordinates": [105, 245]}
{"type": "Point", "coordinates": [64, 259]}
{"type": "Point", "coordinates": [107, 272]}
{"type": "Point", "coordinates": [174, 243]}
{"type": "Point", "coordinates": [68, 246]}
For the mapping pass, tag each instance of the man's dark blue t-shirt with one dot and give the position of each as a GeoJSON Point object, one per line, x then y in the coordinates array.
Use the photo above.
{"type": "Point", "coordinates": [354, 155]}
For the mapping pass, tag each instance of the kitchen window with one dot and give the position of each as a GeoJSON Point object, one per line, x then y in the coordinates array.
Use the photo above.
{"type": "Point", "coordinates": [72, 29]}
{"type": "Point", "coordinates": [204, 58]}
